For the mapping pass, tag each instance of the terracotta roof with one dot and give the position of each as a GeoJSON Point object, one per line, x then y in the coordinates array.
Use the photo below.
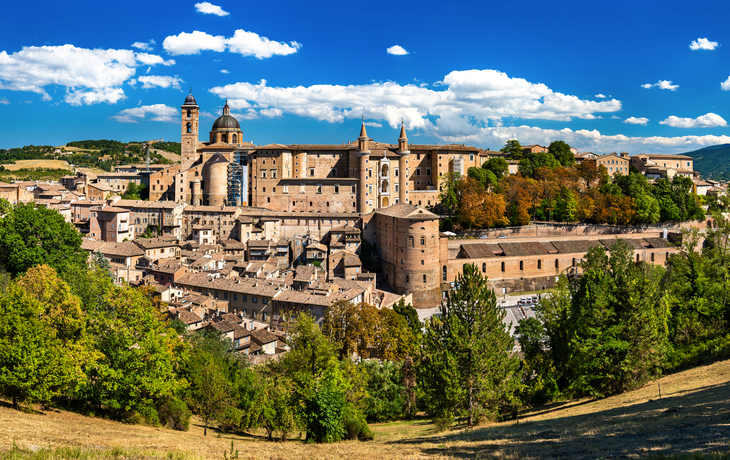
{"type": "Point", "coordinates": [126, 249]}
{"type": "Point", "coordinates": [238, 285]}
{"type": "Point", "coordinates": [263, 337]}
{"type": "Point", "coordinates": [90, 245]}
{"type": "Point", "coordinates": [168, 266]}
{"type": "Point", "coordinates": [407, 211]}
{"type": "Point", "coordinates": [658, 242]}
{"type": "Point", "coordinates": [475, 251]}
{"type": "Point", "coordinates": [154, 243]}
{"type": "Point", "coordinates": [188, 317]}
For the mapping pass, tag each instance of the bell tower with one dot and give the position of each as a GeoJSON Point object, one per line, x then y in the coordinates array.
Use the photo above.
{"type": "Point", "coordinates": [189, 136]}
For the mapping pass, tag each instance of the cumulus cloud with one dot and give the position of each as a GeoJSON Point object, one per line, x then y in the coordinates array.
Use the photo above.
{"type": "Point", "coordinates": [144, 46]}
{"type": "Point", "coordinates": [251, 44]}
{"type": "Point", "coordinates": [209, 8]}
{"type": "Point", "coordinates": [4, 101]}
{"type": "Point", "coordinates": [637, 121]}
{"type": "Point", "coordinates": [193, 43]}
{"type": "Point", "coordinates": [156, 112]}
{"type": "Point", "coordinates": [725, 86]}
{"type": "Point", "coordinates": [373, 124]}
{"type": "Point", "coordinates": [397, 50]}
{"type": "Point", "coordinates": [709, 120]}
{"type": "Point", "coordinates": [160, 81]}
{"type": "Point", "coordinates": [600, 96]}
{"type": "Point", "coordinates": [224, 71]}
{"type": "Point", "coordinates": [661, 84]}
{"type": "Point", "coordinates": [89, 76]}
{"type": "Point", "coordinates": [242, 42]}
{"type": "Point", "coordinates": [471, 98]}
{"type": "Point", "coordinates": [702, 44]}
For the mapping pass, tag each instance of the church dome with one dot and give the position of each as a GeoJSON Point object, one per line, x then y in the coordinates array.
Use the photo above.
{"type": "Point", "coordinates": [226, 122]}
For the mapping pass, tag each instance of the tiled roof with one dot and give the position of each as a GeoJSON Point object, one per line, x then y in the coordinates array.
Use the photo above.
{"type": "Point", "coordinates": [188, 317]}
{"type": "Point", "coordinates": [262, 336]}
{"type": "Point", "coordinates": [238, 285]}
{"type": "Point", "coordinates": [154, 243]}
{"type": "Point", "coordinates": [126, 249]}
{"type": "Point", "coordinates": [407, 211]}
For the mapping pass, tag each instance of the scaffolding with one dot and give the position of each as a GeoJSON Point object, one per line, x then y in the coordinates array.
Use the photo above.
{"type": "Point", "coordinates": [235, 180]}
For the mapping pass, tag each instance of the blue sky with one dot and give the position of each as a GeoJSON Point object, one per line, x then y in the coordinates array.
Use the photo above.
{"type": "Point", "coordinates": [604, 76]}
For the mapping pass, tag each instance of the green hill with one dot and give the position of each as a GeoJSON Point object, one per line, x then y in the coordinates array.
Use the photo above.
{"type": "Point", "coordinates": [712, 162]}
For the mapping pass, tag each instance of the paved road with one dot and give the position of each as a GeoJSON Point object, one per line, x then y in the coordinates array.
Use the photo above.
{"type": "Point", "coordinates": [514, 312]}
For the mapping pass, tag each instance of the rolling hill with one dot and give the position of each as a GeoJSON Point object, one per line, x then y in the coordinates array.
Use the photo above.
{"type": "Point", "coordinates": [712, 162]}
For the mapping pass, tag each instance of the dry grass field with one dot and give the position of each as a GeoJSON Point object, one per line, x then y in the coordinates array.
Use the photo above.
{"type": "Point", "coordinates": [692, 420]}
{"type": "Point", "coordinates": [174, 157]}
{"type": "Point", "coordinates": [28, 164]}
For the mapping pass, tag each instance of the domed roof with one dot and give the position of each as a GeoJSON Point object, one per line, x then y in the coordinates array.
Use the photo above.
{"type": "Point", "coordinates": [190, 99]}
{"type": "Point", "coordinates": [226, 121]}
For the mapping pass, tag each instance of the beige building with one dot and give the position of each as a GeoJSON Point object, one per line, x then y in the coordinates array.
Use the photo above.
{"type": "Point", "coordinates": [613, 162]}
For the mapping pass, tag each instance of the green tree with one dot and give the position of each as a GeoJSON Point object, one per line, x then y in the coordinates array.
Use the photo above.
{"type": "Point", "coordinates": [43, 344]}
{"type": "Point", "coordinates": [210, 390]}
{"type": "Point", "coordinates": [134, 191]}
{"type": "Point", "coordinates": [561, 152]}
{"type": "Point", "coordinates": [411, 316]}
{"type": "Point", "coordinates": [529, 165]}
{"type": "Point", "coordinates": [498, 166]}
{"type": "Point", "coordinates": [33, 235]}
{"type": "Point", "coordinates": [566, 206]}
{"type": "Point", "coordinates": [619, 317]}
{"type": "Point", "coordinates": [513, 149]}
{"type": "Point", "coordinates": [449, 198]}
{"type": "Point", "coordinates": [483, 176]}
{"type": "Point", "coordinates": [468, 365]}
{"type": "Point", "coordinates": [319, 386]}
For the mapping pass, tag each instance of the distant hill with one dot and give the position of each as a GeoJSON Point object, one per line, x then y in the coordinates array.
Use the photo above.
{"type": "Point", "coordinates": [712, 162]}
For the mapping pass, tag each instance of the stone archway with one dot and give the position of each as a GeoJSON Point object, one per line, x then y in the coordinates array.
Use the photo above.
{"type": "Point", "coordinates": [385, 202]}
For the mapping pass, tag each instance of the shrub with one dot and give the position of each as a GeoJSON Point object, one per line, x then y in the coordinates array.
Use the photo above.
{"type": "Point", "coordinates": [230, 420]}
{"type": "Point", "coordinates": [146, 414]}
{"type": "Point", "coordinates": [174, 414]}
{"type": "Point", "coordinates": [357, 428]}
{"type": "Point", "coordinates": [443, 422]}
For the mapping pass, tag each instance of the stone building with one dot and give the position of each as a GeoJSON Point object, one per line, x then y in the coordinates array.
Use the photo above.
{"type": "Point", "coordinates": [354, 177]}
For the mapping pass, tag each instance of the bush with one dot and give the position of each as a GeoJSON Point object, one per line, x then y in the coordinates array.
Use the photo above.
{"type": "Point", "coordinates": [443, 422]}
{"type": "Point", "coordinates": [174, 414]}
{"type": "Point", "coordinates": [357, 428]}
{"type": "Point", "coordinates": [145, 415]}
{"type": "Point", "coordinates": [699, 352]}
{"type": "Point", "coordinates": [230, 420]}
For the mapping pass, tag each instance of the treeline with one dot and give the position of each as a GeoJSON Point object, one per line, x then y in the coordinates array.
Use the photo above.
{"type": "Point", "coordinates": [28, 152]}
{"type": "Point", "coordinates": [551, 187]}
{"type": "Point", "coordinates": [71, 338]}
{"type": "Point", "coordinates": [623, 323]}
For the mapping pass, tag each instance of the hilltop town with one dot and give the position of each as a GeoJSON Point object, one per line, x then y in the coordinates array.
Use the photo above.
{"type": "Point", "coordinates": [235, 235]}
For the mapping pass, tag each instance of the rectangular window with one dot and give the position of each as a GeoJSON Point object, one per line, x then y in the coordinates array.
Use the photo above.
{"type": "Point", "coordinates": [235, 296]}
{"type": "Point", "coordinates": [254, 299]}
{"type": "Point", "coordinates": [264, 300]}
{"type": "Point", "coordinates": [263, 174]}
{"type": "Point", "coordinates": [273, 173]}
{"type": "Point", "coordinates": [428, 172]}
{"type": "Point", "coordinates": [337, 189]}
{"type": "Point", "coordinates": [286, 189]}
{"type": "Point", "coordinates": [311, 172]}
{"type": "Point", "coordinates": [245, 300]}
{"type": "Point", "coordinates": [302, 189]}
{"type": "Point", "coordinates": [418, 171]}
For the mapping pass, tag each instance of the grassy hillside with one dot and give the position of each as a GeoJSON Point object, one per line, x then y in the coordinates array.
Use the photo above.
{"type": "Point", "coordinates": [712, 162]}
{"type": "Point", "coordinates": [692, 420]}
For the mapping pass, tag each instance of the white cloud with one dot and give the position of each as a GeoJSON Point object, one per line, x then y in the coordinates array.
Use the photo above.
{"type": "Point", "coordinates": [585, 140]}
{"type": "Point", "coordinates": [224, 71]}
{"type": "Point", "coordinates": [94, 96]}
{"type": "Point", "coordinates": [615, 117]}
{"type": "Point", "coordinates": [4, 101]}
{"type": "Point", "coordinates": [153, 59]}
{"type": "Point", "coordinates": [702, 44]}
{"type": "Point", "coordinates": [661, 84]}
{"type": "Point", "coordinates": [144, 46]}
{"type": "Point", "coordinates": [600, 96]}
{"type": "Point", "coordinates": [373, 124]}
{"type": "Point", "coordinates": [161, 81]}
{"type": "Point", "coordinates": [725, 86]}
{"type": "Point", "coordinates": [637, 121]}
{"type": "Point", "coordinates": [709, 120]}
{"type": "Point", "coordinates": [397, 50]}
{"type": "Point", "coordinates": [89, 76]}
{"type": "Point", "coordinates": [193, 43]}
{"type": "Point", "coordinates": [242, 42]}
{"type": "Point", "coordinates": [470, 99]}
{"type": "Point", "coordinates": [209, 8]}
{"type": "Point", "coordinates": [157, 112]}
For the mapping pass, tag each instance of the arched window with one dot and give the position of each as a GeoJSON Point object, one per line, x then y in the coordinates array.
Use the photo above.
{"type": "Point", "coordinates": [502, 266]}
{"type": "Point", "coordinates": [190, 113]}
{"type": "Point", "coordinates": [637, 257]}
{"type": "Point", "coordinates": [652, 257]}
{"type": "Point", "coordinates": [384, 170]}
{"type": "Point", "coordinates": [521, 265]}
{"type": "Point", "coordinates": [484, 268]}
{"type": "Point", "coordinates": [423, 241]}
{"type": "Point", "coordinates": [574, 261]}
{"type": "Point", "coordinates": [196, 173]}
{"type": "Point", "coordinates": [444, 273]}
{"type": "Point", "coordinates": [557, 263]}
{"type": "Point", "coordinates": [410, 241]}
{"type": "Point", "coordinates": [235, 139]}
{"type": "Point", "coordinates": [189, 128]}
{"type": "Point", "coordinates": [539, 264]}
{"type": "Point", "coordinates": [224, 138]}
